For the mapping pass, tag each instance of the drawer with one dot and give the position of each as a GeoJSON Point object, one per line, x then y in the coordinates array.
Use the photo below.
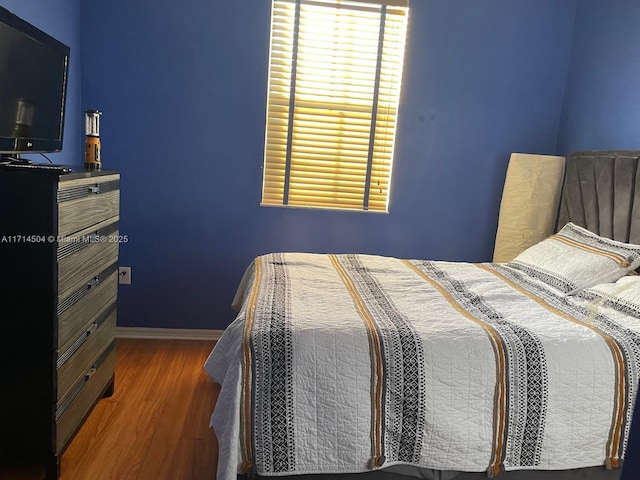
{"type": "Point", "coordinates": [87, 201]}
{"type": "Point", "coordinates": [86, 303]}
{"type": "Point", "coordinates": [83, 352]}
{"type": "Point", "coordinates": [86, 254]}
{"type": "Point", "coordinates": [73, 408]}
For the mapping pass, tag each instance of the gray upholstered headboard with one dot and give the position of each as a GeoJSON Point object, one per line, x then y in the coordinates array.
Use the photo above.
{"type": "Point", "coordinates": [601, 192]}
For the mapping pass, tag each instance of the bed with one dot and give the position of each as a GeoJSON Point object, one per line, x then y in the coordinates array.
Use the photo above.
{"type": "Point", "coordinates": [362, 366]}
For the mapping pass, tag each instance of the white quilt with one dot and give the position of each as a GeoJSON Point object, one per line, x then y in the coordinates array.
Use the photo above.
{"type": "Point", "coordinates": [348, 363]}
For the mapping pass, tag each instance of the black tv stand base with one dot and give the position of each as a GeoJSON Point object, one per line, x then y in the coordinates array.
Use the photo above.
{"type": "Point", "coordinates": [14, 159]}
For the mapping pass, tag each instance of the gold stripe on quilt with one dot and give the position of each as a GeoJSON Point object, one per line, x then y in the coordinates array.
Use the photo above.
{"type": "Point", "coordinates": [622, 343]}
{"type": "Point", "coordinates": [398, 365]}
{"type": "Point", "coordinates": [500, 395]}
{"type": "Point", "coordinates": [377, 407]}
{"type": "Point", "coordinates": [245, 408]}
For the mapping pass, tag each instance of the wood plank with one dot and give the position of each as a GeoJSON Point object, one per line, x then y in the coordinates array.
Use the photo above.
{"type": "Point", "coordinates": [156, 424]}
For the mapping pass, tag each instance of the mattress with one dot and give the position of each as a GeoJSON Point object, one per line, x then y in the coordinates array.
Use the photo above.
{"type": "Point", "coordinates": [355, 363]}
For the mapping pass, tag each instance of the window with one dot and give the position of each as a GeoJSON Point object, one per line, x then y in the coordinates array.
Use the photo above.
{"type": "Point", "coordinates": [334, 86]}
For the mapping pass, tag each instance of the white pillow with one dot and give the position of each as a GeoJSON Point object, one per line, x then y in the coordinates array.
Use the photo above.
{"type": "Point", "coordinates": [623, 295]}
{"type": "Point", "coordinates": [575, 258]}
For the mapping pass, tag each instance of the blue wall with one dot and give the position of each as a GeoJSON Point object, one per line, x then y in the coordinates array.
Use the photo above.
{"type": "Point", "coordinates": [182, 86]}
{"type": "Point", "coordinates": [602, 102]}
{"type": "Point", "coordinates": [61, 20]}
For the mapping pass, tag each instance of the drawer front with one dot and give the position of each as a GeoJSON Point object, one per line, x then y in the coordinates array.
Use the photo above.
{"type": "Point", "coordinates": [74, 362]}
{"type": "Point", "coordinates": [83, 304]}
{"type": "Point", "coordinates": [85, 202]}
{"type": "Point", "coordinates": [72, 409]}
{"type": "Point", "coordinates": [88, 252]}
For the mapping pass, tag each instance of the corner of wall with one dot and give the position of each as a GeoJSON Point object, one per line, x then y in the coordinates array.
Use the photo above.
{"type": "Point", "coordinates": [562, 114]}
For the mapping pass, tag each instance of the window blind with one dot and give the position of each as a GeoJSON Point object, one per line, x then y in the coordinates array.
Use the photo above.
{"type": "Point", "coordinates": [332, 103]}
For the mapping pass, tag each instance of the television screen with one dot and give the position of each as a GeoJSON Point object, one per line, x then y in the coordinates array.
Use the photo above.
{"type": "Point", "coordinates": [33, 83]}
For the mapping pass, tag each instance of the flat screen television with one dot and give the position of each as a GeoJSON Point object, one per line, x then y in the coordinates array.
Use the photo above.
{"type": "Point", "coordinates": [33, 86]}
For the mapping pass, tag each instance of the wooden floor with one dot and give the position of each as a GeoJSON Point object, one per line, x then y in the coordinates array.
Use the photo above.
{"type": "Point", "coordinates": [154, 427]}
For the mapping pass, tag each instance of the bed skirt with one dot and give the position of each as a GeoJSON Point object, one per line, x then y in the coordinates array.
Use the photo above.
{"type": "Point", "coordinates": [593, 473]}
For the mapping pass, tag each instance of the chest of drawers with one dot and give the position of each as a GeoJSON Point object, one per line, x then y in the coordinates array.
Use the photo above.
{"type": "Point", "coordinates": [58, 291]}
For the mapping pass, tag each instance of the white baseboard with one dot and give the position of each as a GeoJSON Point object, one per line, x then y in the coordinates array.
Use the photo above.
{"type": "Point", "coordinates": [168, 333]}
